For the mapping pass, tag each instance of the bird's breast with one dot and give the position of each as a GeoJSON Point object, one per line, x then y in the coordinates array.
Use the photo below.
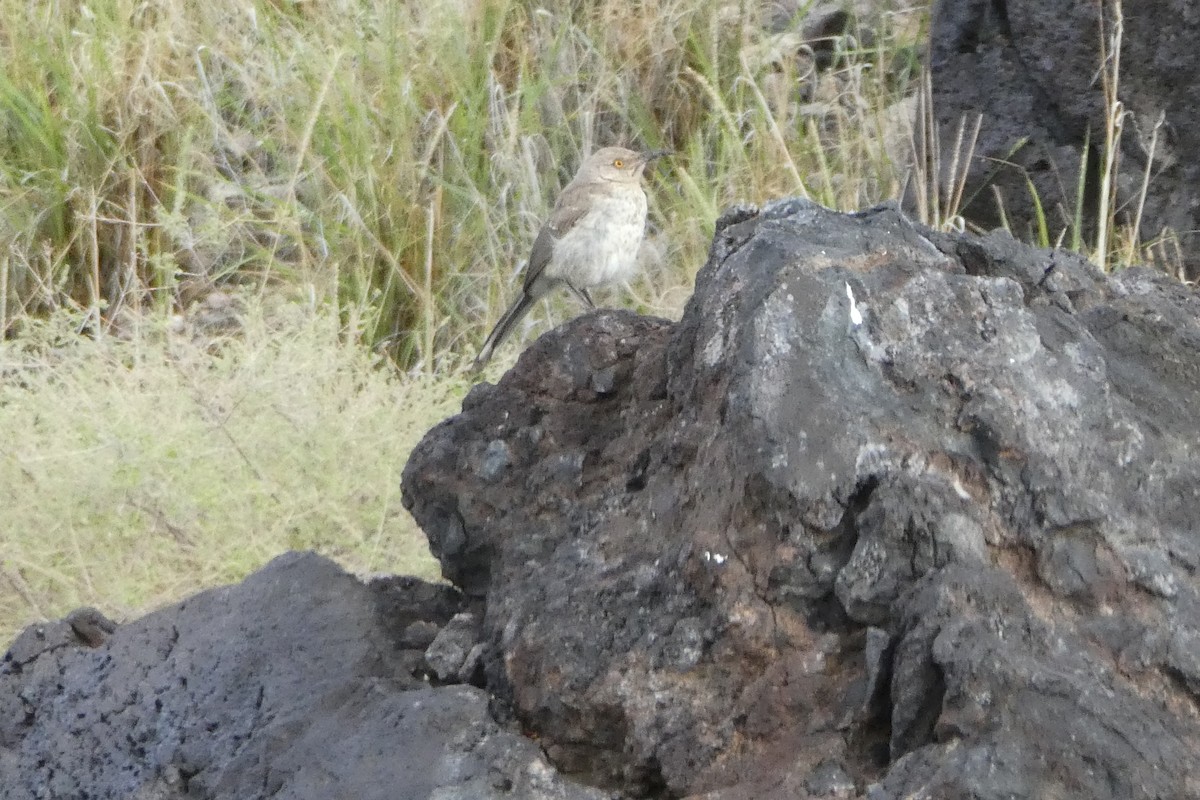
{"type": "Point", "coordinates": [602, 246]}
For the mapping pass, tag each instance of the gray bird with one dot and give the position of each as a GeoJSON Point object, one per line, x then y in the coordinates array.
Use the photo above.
{"type": "Point", "coordinates": [591, 238]}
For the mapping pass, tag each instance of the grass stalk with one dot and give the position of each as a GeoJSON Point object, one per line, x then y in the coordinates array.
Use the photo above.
{"type": "Point", "coordinates": [1114, 115]}
{"type": "Point", "coordinates": [1133, 251]}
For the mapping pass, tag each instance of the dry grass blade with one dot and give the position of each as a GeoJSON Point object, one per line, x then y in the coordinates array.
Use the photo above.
{"type": "Point", "coordinates": [148, 468]}
{"type": "Point", "coordinates": [1114, 118]}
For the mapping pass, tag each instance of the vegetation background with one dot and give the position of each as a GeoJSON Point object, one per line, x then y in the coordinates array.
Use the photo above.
{"type": "Point", "coordinates": [247, 247]}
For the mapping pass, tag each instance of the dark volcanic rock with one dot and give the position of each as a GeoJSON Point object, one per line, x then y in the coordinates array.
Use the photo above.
{"type": "Point", "coordinates": [455, 652]}
{"type": "Point", "coordinates": [295, 683]}
{"type": "Point", "coordinates": [889, 513]}
{"type": "Point", "coordinates": [1032, 69]}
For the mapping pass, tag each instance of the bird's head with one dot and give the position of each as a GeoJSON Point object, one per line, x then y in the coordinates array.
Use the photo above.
{"type": "Point", "coordinates": [619, 163]}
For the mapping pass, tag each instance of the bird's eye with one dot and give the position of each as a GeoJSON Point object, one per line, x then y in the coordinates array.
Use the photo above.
{"type": "Point", "coordinates": [618, 163]}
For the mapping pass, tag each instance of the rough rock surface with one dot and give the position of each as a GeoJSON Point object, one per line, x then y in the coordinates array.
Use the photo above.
{"type": "Point", "coordinates": [887, 514]}
{"type": "Point", "coordinates": [300, 682]}
{"type": "Point", "coordinates": [1032, 68]}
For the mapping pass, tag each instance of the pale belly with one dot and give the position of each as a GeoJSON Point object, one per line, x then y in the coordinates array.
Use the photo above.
{"type": "Point", "coordinates": [602, 247]}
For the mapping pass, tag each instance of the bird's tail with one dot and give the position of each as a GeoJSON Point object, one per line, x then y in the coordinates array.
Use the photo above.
{"type": "Point", "coordinates": [503, 328]}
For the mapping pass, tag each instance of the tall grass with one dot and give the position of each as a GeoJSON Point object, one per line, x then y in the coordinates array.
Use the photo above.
{"type": "Point", "coordinates": [395, 159]}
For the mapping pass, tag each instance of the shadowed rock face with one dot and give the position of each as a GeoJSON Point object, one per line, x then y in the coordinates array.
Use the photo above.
{"type": "Point", "coordinates": [1032, 69]}
{"type": "Point", "coordinates": [774, 551]}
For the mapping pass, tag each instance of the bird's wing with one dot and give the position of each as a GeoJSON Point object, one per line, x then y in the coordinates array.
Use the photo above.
{"type": "Point", "coordinates": [572, 204]}
{"type": "Point", "coordinates": [543, 248]}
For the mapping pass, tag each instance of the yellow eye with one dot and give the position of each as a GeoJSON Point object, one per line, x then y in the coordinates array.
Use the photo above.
{"type": "Point", "coordinates": [618, 163]}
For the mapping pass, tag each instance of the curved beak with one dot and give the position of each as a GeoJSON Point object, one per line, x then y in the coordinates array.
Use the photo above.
{"type": "Point", "coordinates": [651, 155]}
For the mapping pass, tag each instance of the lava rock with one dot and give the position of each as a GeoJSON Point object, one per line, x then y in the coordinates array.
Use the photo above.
{"type": "Point", "coordinates": [1031, 71]}
{"type": "Point", "coordinates": [292, 683]}
{"type": "Point", "coordinates": [918, 505]}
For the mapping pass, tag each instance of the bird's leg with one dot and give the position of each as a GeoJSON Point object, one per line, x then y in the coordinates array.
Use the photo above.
{"type": "Point", "coordinates": [582, 294]}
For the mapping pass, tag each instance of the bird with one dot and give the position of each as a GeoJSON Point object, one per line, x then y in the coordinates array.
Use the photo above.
{"type": "Point", "coordinates": [590, 239]}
